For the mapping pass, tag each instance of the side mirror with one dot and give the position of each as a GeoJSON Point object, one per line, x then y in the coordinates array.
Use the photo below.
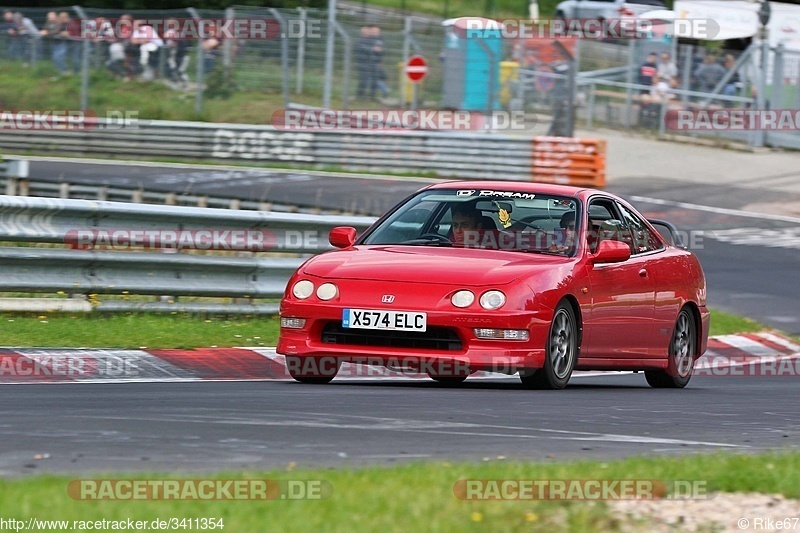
{"type": "Point", "coordinates": [342, 236]}
{"type": "Point", "coordinates": [669, 232]}
{"type": "Point", "coordinates": [611, 252]}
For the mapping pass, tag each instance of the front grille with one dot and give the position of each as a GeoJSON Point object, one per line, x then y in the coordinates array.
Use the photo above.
{"type": "Point", "coordinates": [435, 338]}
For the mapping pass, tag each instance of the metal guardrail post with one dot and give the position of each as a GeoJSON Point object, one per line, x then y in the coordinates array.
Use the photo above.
{"type": "Point", "coordinates": [301, 50]}
{"type": "Point", "coordinates": [492, 72]}
{"type": "Point", "coordinates": [407, 24]}
{"type": "Point", "coordinates": [761, 96]}
{"type": "Point", "coordinates": [198, 102]}
{"type": "Point", "coordinates": [85, 62]}
{"type": "Point", "coordinates": [329, 56]}
{"type": "Point", "coordinates": [85, 75]}
{"type": "Point", "coordinates": [663, 114]}
{"type": "Point", "coordinates": [687, 74]}
{"type": "Point", "coordinates": [629, 80]}
{"type": "Point", "coordinates": [776, 94]}
{"type": "Point", "coordinates": [284, 55]}
{"type": "Point", "coordinates": [590, 114]}
{"type": "Point", "coordinates": [227, 44]}
{"type": "Point", "coordinates": [348, 47]}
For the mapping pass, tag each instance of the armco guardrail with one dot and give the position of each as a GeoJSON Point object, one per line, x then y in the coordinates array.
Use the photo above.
{"type": "Point", "coordinates": [94, 271]}
{"type": "Point", "coordinates": [455, 154]}
{"type": "Point", "coordinates": [49, 220]}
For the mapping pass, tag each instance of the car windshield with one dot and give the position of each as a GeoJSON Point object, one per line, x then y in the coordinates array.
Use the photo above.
{"type": "Point", "coordinates": [484, 219]}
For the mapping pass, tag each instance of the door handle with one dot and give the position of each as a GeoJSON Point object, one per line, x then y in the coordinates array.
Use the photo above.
{"type": "Point", "coordinates": [643, 273]}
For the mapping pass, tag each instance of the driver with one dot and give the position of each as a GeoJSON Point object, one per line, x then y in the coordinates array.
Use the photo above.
{"type": "Point", "coordinates": [567, 223]}
{"type": "Point", "coordinates": [467, 223]}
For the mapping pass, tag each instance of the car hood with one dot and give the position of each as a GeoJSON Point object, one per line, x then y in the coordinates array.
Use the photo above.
{"type": "Point", "coordinates": [423, 264]}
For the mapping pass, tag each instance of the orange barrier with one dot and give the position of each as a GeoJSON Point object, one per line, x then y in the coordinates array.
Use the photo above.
{"type": "Point", "coordinates": [569, 161]}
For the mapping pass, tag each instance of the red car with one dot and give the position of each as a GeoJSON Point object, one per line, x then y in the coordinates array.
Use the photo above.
{"type": "Point", "coordinates": [501, 277]}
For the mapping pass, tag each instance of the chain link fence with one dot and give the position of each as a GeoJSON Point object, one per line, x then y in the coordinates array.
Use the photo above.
{"type": "Point", "coordinates": [356, 60]}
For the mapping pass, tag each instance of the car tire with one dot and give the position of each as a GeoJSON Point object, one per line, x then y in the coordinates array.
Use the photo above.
{"type": "Point", "coordinates": [308, 370]}
{"type": "Point", "coordinates": [561, 352]}
{"type": "Point", "coordinates": [682, 354]}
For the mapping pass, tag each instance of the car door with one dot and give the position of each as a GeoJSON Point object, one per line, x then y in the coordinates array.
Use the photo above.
{"type": "Point", "coordinates": [621, 314]}
{"type": "Point", "coordinates": [666, 268]}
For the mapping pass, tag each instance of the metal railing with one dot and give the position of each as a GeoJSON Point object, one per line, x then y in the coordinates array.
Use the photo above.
{"type": "Point", "coordinates": [464, 155]}
{"type": "Point", "coordinates": [83, 272]}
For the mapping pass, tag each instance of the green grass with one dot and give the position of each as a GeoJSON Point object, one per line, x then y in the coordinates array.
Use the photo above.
{"type": "Point", "coordinates": [135, 331]}
{"type": "Point", "coordinates": [413, 497]}
{"type": "Point", "coordinates": [726, 324]}
{"type": "Point", "coordinates": [188, 331]}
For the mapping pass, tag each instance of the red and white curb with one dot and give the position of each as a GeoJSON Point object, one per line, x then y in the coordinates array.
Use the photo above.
{"type": "Point", "coordinates": [757, 354]}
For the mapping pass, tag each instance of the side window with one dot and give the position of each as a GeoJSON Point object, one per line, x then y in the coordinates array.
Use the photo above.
{"type": "Point", "coordinates": [643, 239]}
{"type": "Point", "coordinates": [599, 214]}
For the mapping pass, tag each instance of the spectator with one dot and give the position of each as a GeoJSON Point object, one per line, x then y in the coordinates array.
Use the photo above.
{"type": "Point", "coordinates": [149, 43]}
{"type": "Point", "coordinates": [131, 65]}
{"type": "Point", "coordinates": [648, 72]}
{"type": "Point", "coordinates": [363, 57]}
{"type": "Point", "coordinates": [212, 48]}
{"type": "Point", "coordinates": [119, 34]}
{"type": "Point", "coordinates": [709, 74]}
{"type": "Point", "coordinates": [178, 55]}
{"type": "Point", "coordinates": [6, 28]}
{"type": "Point", "coordinates": [378, 72]}
{"type": "Point", "coordinates": [18, 33]}
{"type": "Point", "coordinates": [734, 83]}
{"type": "Point", "coordinates": [72, 47]}
{"type": "Point", "coordinates": [667, 68]}
{"type": "Point", "coordinates": [116, 60]}
{"type": "Point", "coordinates": [661, 92]}
{"type": "Point", "coordinates": [51, 35]}
{"type": "Point", "coordinates": [104, 36]}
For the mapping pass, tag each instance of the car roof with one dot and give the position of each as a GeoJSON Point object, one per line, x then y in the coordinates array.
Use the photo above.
{"type": "Point", "coordinates": [516, 186]}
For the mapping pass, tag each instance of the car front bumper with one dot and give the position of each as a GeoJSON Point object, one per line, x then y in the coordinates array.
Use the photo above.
{"type": "Point", "coordinates": [464, 350]}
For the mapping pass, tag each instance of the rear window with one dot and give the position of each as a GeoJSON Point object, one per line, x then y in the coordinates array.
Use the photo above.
{"type": "Point", "coordinates": [656, 3]}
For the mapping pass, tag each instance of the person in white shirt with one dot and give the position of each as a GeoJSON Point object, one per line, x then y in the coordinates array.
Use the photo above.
{"type": "Point", "coordinates": [149, 42]}
{"type": "Point", "coordinates": [666, 67]}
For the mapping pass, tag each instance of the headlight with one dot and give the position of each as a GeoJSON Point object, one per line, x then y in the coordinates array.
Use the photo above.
{"type": "Point", "coordinates": [462, 298]}
{"type": "Point", "coordinates": [327, 291]}
{"type": "Point", "coordinates": [303, 289]}
{"type": "Point", "coordinates": [492, 299]}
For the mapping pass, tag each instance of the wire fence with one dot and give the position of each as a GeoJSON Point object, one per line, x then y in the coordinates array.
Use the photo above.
{"type": "Point", "coordinates": [357, 58]}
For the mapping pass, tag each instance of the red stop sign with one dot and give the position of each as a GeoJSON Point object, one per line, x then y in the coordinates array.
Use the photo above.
{"type": "Point", "coordinates": [416, 68]}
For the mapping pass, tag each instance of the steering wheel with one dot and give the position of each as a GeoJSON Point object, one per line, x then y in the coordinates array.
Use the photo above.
{"type": "Point", "coordinates": [435, 236]}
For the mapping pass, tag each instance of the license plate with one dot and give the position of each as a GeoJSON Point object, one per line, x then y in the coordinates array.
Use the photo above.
{"type": "Point", "coordinates": [374, 319]}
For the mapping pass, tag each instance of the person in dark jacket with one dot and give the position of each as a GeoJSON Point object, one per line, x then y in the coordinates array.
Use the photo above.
{"type": "Point", "coordinates": [648, 72]}
{"type": "Point", "coordinates": [709, 74]}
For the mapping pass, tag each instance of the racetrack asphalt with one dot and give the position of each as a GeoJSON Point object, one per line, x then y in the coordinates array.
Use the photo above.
{"type": "Point", "coordinates": [757, 279]}
{"type": "Point", "coordinates": [214, 426]}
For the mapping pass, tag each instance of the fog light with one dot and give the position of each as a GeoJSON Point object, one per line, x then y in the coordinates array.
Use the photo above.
{"type": "Point", "coordinates": [327, 291]}
{"type": "Point", "coordinates": [463, 298]}
{"type": "Point", "coordinates": [502, 334]}
{"type": "Point", "coordinates": [292, 323]}
{"type": "Point", "coordinates": [303, 289]}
